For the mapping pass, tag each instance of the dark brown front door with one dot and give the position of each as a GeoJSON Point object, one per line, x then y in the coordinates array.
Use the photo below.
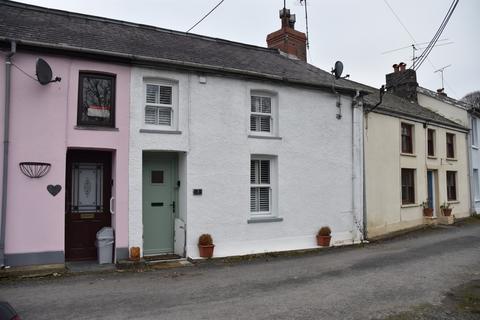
{"type": "Point", "coordinates": [87, 208]}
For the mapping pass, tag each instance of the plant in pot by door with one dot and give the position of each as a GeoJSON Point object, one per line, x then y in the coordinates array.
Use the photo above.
{"type": "Point", "coordinates": [323, 236]}
{"type": "Point", "coordinates": [205, 245]}
{"type": "Point", "coordinates": [427, 211]}
{"type": "Point", "coordinates": [446, 210]}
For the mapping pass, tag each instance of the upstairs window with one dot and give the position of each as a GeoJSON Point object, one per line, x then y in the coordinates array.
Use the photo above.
{"type": "Point", "coordinates": [261, 114]}
{"type": "Point", "coordinates": [474, 132]}
{"type": "Point", "coordinates": [260, 187]}
{"type": "Point", "coordinates": [450, 145]}
{"type": "Point", "coordinates": [96, 100]}
{"type": "Point", "coordinates": [431, 142]}
{"type": "Point", "coordinates": [407, 138]}
{"type": "Point", "coordinates": [159, 104]}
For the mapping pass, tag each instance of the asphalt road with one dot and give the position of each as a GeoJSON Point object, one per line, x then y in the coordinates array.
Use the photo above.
{"type": "Point", "coordinates": [377, 281]}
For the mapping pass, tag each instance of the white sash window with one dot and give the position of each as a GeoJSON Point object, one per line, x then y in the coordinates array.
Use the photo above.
{"type": "Point", "coordinates": [159, 105]}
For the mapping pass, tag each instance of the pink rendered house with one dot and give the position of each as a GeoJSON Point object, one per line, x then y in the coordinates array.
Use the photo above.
{"type": "Point", "coordinates": [80, 126]}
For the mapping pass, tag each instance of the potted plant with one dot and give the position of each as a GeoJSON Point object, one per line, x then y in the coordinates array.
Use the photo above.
{"type": "Point", "coordinates": [427, 211]}
{"type": "Point", "coordinates": [323, 236]}
{"type": "Point", "coordinates": [135, 253]}
{"type": "Point", "coordinates": [446, 210]}
{"type": "Point", "coordinates": [205, 245]}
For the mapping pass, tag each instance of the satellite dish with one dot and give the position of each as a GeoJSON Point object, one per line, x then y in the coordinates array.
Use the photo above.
{"type": "Point", "coordinates": [44, 72]}
{"type": "Point", "coordinates": [338, 69]}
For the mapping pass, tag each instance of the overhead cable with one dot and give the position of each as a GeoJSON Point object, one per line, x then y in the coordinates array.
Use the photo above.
{"type": "Point", "coordinates": [196, 24]}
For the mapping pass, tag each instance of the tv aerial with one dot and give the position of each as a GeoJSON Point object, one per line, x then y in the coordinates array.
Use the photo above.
{"type": "Point", "coordinates": [441, 70]}
{"type": "Point", "coordinates": [44, 72]}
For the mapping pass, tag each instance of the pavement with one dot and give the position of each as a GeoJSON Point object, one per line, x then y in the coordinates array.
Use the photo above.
{"type": "Point", "coordinates": [429, 274]}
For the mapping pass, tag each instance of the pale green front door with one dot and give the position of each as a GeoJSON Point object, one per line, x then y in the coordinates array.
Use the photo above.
{"type": "Point", "coordinates": [158, 202]}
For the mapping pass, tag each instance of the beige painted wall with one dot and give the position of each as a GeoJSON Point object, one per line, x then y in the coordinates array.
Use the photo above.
{"type": "Point", "coordinates": [383, 163]}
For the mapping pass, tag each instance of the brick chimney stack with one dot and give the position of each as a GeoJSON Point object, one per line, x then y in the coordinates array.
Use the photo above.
{"type": "Point", "coordinates": [287, 39]}
{"type": "Point", "coordinates": [402, 82]}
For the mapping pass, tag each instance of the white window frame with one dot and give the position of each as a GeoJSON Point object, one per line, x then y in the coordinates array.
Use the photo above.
{"type": "Point", "coordinates": [474, 132]}
{"type": "Point", "coordinates": [272, 115]}
{"type": "Point", "coordinates": [476, 185]}
{"type": "Point", "coordinates": [173, 106]}
{"type": "Point", "coordinates": [271, 185]}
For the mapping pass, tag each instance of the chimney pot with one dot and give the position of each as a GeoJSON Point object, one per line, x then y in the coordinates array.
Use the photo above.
{"type": "Point", "coordinates": [402, 82]}
{"type": "Point", "coordinates": [287, 39]}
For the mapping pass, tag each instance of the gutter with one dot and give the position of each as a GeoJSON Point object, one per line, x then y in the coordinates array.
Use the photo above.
{"type": "Point", "coordinates": [145, 60]}
{"type": "Point", "coordinates": [8, 70]}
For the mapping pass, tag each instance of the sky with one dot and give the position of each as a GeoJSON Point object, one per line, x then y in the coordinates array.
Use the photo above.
{"type": "Point", "coordinates": [358, 33]}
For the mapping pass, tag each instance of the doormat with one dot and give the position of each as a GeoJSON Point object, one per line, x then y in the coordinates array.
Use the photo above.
{"type": "Point", "coordinates": [162, 257]}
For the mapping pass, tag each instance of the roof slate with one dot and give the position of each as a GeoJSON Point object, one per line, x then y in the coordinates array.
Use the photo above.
{"type": "Point", "coordinates": [395, 105]}
{"type": "Point", "coordinates": [75, 32]}
{"type": "Point", "coordinates": [55, 27]}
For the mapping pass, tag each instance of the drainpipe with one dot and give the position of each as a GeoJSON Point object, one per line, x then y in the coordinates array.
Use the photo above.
{"type": "Point", "coordinates": [357, 164]}
{"type": "Point", "coordinates": [8, 69]}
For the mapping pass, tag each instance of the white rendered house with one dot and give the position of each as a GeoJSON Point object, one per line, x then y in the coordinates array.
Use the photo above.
{"type": "Point", "coordinates": [248, 144]}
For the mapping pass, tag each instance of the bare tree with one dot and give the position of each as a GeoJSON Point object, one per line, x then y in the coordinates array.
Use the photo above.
{"type": "Point", "coordinates": [473, 98]}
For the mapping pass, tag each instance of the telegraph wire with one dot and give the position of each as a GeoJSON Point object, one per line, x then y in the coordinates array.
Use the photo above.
{"type": "Point", "coordinates": [432, 43]}
{"type": "Point", "coordinates": [449, 14]}
{"type": "Point", "coordinates": [25, 73]}
{"type": "Point", "coordinates": [218, 4]}
{"type": "Point", "coordinates": [400, 21]}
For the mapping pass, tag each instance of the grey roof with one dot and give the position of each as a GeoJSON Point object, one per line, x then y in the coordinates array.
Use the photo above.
{"type": "Point", "coordinates": [41, 27]}
{"type": "Point", "coordinates": [394, 105]}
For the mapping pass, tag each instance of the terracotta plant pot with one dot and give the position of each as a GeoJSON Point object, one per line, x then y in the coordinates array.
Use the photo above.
{"type": "Point", "coordinates": [206, 251]}
{"type": "Point", "coordinates": [323, 241]}
{"type": "Point", "coordinates": [447, 212]}
{"type": "Point", "coordinates": [135, 253]}
{"type": "Point", "coordinates": [428, 212]}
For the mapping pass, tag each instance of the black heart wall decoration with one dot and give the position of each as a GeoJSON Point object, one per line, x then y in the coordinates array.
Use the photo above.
{"type": "Point", "coordinates": [54, 190]}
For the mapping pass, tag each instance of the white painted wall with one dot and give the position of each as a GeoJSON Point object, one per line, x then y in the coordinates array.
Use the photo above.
{"type": "Point", "coordinates": [475, 164]}
{"type": "Point", "coordinates": [313, 162]}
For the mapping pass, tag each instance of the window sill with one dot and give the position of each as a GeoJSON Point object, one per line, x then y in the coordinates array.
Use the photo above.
{"type": "Point", "coordinates": [451, 159]}
{"type": "Point", "coordinates": [264, 219]}
{"type": "Point", "coordinates": [96, 128]}
{"type": "Point", "coordinates": [408, 154]}
{"type": "Point", "coordinates": [475, 147]}
{"type": "Point", "coordinates": [160, 131]}
{"type": "Point", "coordinates": [264, 137]}
{"type": "Point", "coordinates": [453, 201]}
{"type": "Point", "coordinates": [432, 157]}
{"type": "Point", "coordinates": [410, 205]}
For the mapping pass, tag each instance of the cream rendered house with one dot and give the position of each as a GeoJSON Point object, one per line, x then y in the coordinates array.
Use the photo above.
{"type": "Point", "coordinates": [412, 156]}
{"type": "Point", "coordinates": [465, 115]}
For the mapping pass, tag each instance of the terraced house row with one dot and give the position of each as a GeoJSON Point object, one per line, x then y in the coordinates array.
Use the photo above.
{"type": "Point", "coordinates": [164, 136]}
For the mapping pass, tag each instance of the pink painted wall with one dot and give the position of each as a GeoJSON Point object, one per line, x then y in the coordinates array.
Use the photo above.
{"type": "Point", "coordinates": [2, 113]}
{"type": "Point", "coordinates": [43, 120]}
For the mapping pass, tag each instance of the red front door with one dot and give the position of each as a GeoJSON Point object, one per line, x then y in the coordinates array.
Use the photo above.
{"type": "Point", "coordinates": [87, 202]}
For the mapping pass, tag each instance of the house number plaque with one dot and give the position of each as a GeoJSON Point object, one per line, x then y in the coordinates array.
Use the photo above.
{"type": "Point", "coordinates": [87, 215]}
